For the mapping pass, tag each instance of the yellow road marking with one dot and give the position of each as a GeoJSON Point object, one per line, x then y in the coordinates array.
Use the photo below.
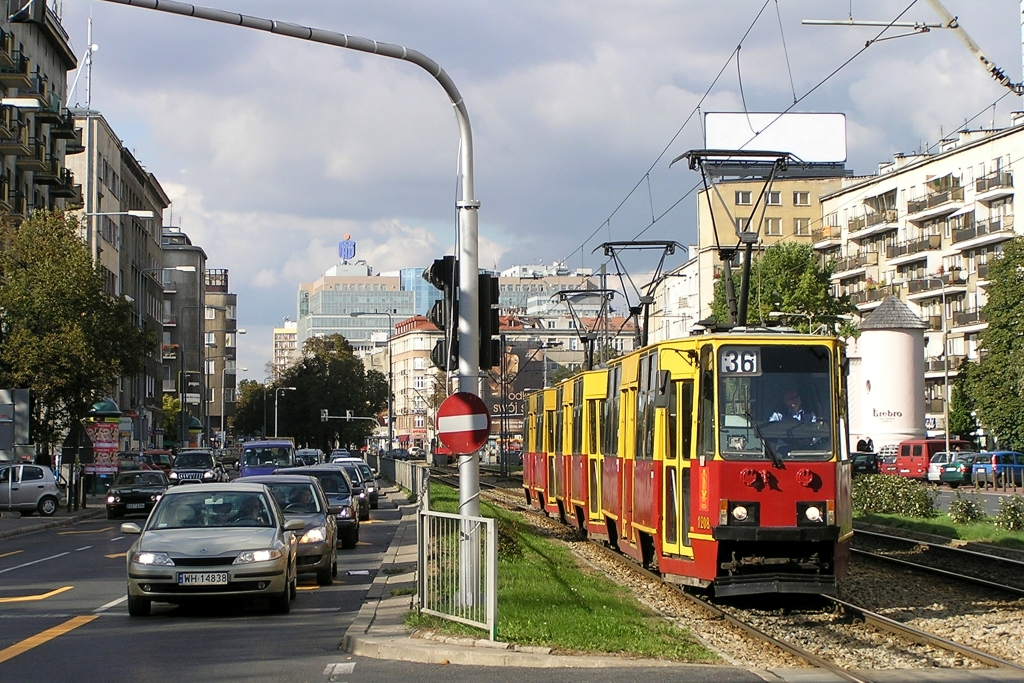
{"type": "Point", "coordinates": [115, 555]}
{"type": "Point", "coordinates": [44, 637]}
{"type": "Point", "coordinates": [306, 588]}
{"type": "Point", "coordinates": [89, 531]}
{"type": "Point", "coordinates": [363, 543]}
{"type": "Point", "coordinates": [41, 596]}
{"type": "Point", "coordinates": [13, 552]}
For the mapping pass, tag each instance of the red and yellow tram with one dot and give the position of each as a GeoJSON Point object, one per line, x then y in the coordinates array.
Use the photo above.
{"type": "Point", "coordinates": [720, 460]}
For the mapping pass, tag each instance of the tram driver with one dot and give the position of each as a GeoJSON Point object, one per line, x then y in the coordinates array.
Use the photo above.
{"type": "Point", "coordinates": [793, 409]}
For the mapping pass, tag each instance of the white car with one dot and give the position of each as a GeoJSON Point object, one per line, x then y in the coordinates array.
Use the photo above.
{"type": "Point", "coordinates": [28, 489]}
{"type": "Point", "coordinates": [938, 460]}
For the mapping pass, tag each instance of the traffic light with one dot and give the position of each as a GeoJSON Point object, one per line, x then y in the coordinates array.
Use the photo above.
{"type": "Point", "coordinates": [490, 351]}
{"type": "Point", "coordinates": [443, 273]}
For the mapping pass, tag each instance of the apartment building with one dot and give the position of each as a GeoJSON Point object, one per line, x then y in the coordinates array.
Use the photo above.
{"type": "Point", "coordinates": [924, 228]}
{"type": "Point", "coordinates": [522, 289]}
{"type": "Point", "coordinates": [220, 342]}
{"type": "Point", "coordinates": [286, 348]}
{"type": "Point", "coordinates": [36, 132]}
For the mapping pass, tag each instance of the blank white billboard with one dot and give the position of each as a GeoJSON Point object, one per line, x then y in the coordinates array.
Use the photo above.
{"type": "Point", "coordinates": [815, 138]}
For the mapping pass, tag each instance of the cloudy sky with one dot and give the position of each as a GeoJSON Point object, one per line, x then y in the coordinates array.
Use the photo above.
{"type": "Point", "coordinates": [273, 148]}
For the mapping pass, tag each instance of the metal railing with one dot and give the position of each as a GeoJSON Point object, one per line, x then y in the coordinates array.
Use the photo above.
{"type": "Point", "coordinates": [828, 232]}
{"type": "Point", "coordinates": [413, 477]}
{"type": "Point", "coordinates": [927, 243]}
{"type": "Point", "coordinates": [993, 225]}
{"type": "Point", "coordinates": [450, 587]}
{"type": "Point", "coordinates": [884, 216]}
{"type": "Point", "coordinates": [933, 199]}
{"type": "Point", "coordinates": [868, 258]}
{"type": "Point", "coordinates": [993, 181]}
{"type": "Point", "coordinates": [969, 317]}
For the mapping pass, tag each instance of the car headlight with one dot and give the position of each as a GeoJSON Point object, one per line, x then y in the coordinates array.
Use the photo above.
{"type": "Point", "coordinates": [156, 497]}
{"type": "Point", "coordinates": [370, 489]}
{"type": "Point", "coordinates": [257, 556]}
{"type": "Point", "coordinates": [346, 513]}
{"type": "Point", "coordinates": [172, 475]}
{"type": "Point", "coordinates": [813, 514]}
{"type": "Point", "coordinates": [208, 474]}
{"type": "Point", "coordinates": [362, 494]}
{"type": "Point", "coordinates": [112, 499]}
{"type": "Point", "coordinates": [162, 559]}
{"type": "Point", "coordinates": [314, 535]}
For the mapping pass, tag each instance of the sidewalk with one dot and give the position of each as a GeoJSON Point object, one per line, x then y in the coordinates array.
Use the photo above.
{"type": "Point", "coordinates": [12, 524]}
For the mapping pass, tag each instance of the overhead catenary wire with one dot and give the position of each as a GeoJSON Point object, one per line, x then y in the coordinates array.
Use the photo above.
{"type": "Point", "coordinates": [785, 50]}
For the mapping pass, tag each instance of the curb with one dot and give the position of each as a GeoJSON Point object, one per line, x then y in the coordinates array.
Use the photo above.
{"type": "Point", "coordinates": [68, 521]}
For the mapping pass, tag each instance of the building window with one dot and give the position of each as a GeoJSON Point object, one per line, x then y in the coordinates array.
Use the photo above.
{"type": "Point", "coordinates": [801, 199]}
{"type": "Point", "coordinates": [211, 313]}
{"type": "Point", "coordinates": [418, 422]}
{"type": "Point", "coordinates": [229, 395]}
{"type": "Point", "coordinates": [211, 366]}
{"type": "Point", "coordinates": [229, 366]}
{"type": "Point", "coordinates": [417, 363]}
{"type": "Point", "coordinates": [211, 338]}
{"type": "Point", "coordinates": [417, 343]}
{"type": "Point", "coordinates": [417, 381]}
{"type": "Point", "coordinates": [773, 226]}
{"type": "Point", "coordinates": [774, 199]}
{"type": "Point", "coordinates": [742, 198]}
{"type": "Point", "coordinates": [802, 226]}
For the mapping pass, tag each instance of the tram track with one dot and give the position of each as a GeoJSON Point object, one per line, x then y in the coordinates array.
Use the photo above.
{"type": "Point", "coordinates": [848, 624]}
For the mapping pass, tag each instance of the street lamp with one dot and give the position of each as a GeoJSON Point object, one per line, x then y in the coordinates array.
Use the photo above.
{"type": "Point", "coordinates": [277, 392]}
{"type": "Point", "coordinates": [391, 391]}
{"type": "Point", "coordinates": [945, 342]}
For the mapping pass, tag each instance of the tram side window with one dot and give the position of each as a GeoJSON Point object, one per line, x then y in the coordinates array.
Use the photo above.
{"type": "Point", "coordinates": [549, 442]}
{"type": "Point", "coordinates": [594, 433]}
{"type": "Point", "coordinates": [673, 422]}
{"type": "Point", "coordinates": [645, 407]}
{"type": "Point", "coordinates": [687, 416]}
{"type": "Point", "coordinates": [610, 419]}
{"type": "Point", "coordinates": [559, 421]}
{"type": "Point", "coordinates": [577, 416]}
{"type": "Point", "coordinates": [538, 425]}
{"type": "Point", "coordinates": [528, 433]}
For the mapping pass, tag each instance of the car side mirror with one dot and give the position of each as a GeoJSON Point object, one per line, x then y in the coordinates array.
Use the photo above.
{"type": "Point", "coordinates": [130, 528]}
{"type": "Point", "coordinates": [294, 525]}
{"type": "Point", "coordinates": [334, 510]}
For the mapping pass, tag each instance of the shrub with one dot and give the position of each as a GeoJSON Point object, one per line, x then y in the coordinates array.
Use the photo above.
{"type": "Point", "coordinates": [1011, 513]}
{"type": "Point", "coordinates": [966, 509]}
{"type": "Point", "coordinates": [892, 495]}
{"type": "Point", "coordinates": [509, 546]}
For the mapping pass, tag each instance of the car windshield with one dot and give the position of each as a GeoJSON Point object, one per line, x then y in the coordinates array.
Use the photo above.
{"type": "Point", "coordinates": [218, 509]}
{"type": "Point", "coordinates": [268, 456]}
{"type": "Point", "coordinates": [193, 460]}
{"type": "Point", "coordinates": [140, 479]}
{"type": "Point", "coordinates": [333, 483]}
{"type": "Point", "coordinates": [295, 498]}
{"type": "Point", "coordinates": [354, 474]}
{"type": "Point", "coordinates": [366, 472]}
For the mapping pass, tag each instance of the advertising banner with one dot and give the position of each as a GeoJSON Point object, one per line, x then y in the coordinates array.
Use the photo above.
{"type": "Point", "coordinates": [505, 390]}
{"type": "Point", "coordinates": [104, 432]}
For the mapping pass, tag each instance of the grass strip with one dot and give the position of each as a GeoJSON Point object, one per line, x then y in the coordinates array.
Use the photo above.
{"type": "Point", "coordinates": [546, 598]}
{"type": "Point", "coordinates": [941, 525]}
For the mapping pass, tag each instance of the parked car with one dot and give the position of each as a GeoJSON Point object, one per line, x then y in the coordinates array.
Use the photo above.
{"type": "Point", "coordinates": [263, 457]}
{"type": "Point", "coordinates": [417, 453]}
{"type": "Point", "coordinates": [369, 479]}
{"type": "Point", "coordinates": [28, 489]}
{"type": "Point", "coordinates": [397, 454]}
{"type": "Point", "coordinates": [1007, 464]}
{"type": "Point", "coordinates": [196, 467]}
{"type": "Point", "coordinates": [914, 455]}
{"type": "Point", "coordinates": [158, 459]}
{"type": "Point", "coordinates": [213, 541]}
{"type": "Point", "coordinates": [338, 489]}
{"type": "Point", "coordinates": [864, 463]}
{"type": "Point", "coordinates": [301, 497]}
{"type": "Point", "coordinates": [135, 493]}
{"type": "Point", "coordinates": [960, 471]}
{"type": "Point", "coordinates": [309, 456]}
{"type": "Point", "coordinates": [939, 460]}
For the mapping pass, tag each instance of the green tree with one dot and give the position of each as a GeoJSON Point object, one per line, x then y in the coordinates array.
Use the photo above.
{"type": "Point", "coordinates": [788, 278]}
{"type": "Point", "coordinates": [329, 376]}
{"type": "Point", "coordinates": [61, 335]}
{"type": "Point", "coordinates": [250, 408]}
{"type": "Point", "coordinates": [961, 408]}
{"type": "Point", "coordinates": [996, 386]}
{"type": "Point", "coordinates": [172, 406]}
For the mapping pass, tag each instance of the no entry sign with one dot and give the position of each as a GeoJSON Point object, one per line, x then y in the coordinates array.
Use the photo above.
{"type": "Point", "coordinates": [463, 423]}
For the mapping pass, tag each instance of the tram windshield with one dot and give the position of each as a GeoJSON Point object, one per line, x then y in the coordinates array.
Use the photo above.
{"type": "Point", "coordinates": [775, 402]}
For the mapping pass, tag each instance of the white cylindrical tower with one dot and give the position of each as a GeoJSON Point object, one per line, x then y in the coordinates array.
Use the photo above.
{"type": "Point", "coordinates": [890, 381]}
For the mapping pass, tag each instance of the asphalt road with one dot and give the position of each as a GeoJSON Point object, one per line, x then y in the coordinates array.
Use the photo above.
{"type": "Point", "coordinates": [75, 624]}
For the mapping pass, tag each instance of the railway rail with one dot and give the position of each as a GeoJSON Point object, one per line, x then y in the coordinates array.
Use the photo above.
{"type": "Point", "coordinates": [734, 616]}
{"type": "Point", "coordinates": [961, 564]}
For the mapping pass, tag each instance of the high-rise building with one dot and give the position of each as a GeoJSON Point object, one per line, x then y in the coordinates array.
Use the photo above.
{"type": "Point", "coordinates": [286, 347]}
{"type": "Point", "coordinates": [220, 343]}
{"type": "Point", "coordinates": [426, 294]}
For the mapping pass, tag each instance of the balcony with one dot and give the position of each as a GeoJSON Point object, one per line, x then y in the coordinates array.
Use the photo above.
{"type": "Point", "coordinates": [827, 236]}
{"type": "Point", "coordinates": [868, 299]}
{"type": "Point", "coordinates": [935, 204]}
{"type": "Point", "coordinates": [49, 175]}
{"type": "Point", "coordinates": [16, 144]}
{"type": "Point", "coordinates": [169, 321]}
{"type": "Point", "coordinates": [169, 351]}
{"type": "Point", "coordinates": [49, 110]}
{"type": "Point", "coordinates": [993, 186]}
{"type": "Point", "coordinates": [997, 229]}
{"type": "Point", "coordinates": [36, 159]}
{"type": "Point", "coordinates": [74, 143]}
{"type": "Point", "coordinates": [938, 365]}
{"type": "Point", "coordinates": [873, 223]}
{"type": "Point", "coordinates": [933, 286]}
{"type": "Point", "coordinates": [933, 406]}
{"type": "Point", "coordinates": [170, 386]}
{"type": "Point", "coordinates": [970, 318]}
{"type": "Point", "coordinates": [67, 189]}
{"type": "Point", "coordinates": [64, 128]}
{"type": "Point", "coordinates": [904, 252]}
{"type": "Point", "coordinates": [19, 204]}
{"type": "Point", "coordinates": [935, 323]}
{"type": "Point", "coordinates": [16, 75]}
{"type": "Point", "coordinates": [982, 271]}
{"type": "Point", "coordinates": [851, 265]}
{"type": "Point", "coordinates": [6, 48]}
{"type": "Point", "coordinates": [5, 193]}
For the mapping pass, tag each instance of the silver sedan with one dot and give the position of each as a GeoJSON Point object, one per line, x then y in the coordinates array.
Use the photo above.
{"type": "Point", "coordinates": [213, 540]}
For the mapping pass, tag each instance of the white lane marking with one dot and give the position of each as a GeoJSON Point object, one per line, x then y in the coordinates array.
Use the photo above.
{"type": "Point", "coordinates": [461, 423]}
{"type": "Point", "coordinates": [112, 603]}
{"type": "Point", "coordinates": [116, 539]}
{"type": "Point", "coordinates": [339, 669]}
{"type": "Point", "coordinates": [84, 547]}
{"type": "Point", "coordinates": [28, 564]}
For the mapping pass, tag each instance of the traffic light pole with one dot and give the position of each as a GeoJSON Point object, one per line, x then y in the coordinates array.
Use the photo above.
{"type": "Point", "coordinates": [468, 206]}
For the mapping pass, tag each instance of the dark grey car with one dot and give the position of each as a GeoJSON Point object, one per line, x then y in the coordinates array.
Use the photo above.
{"type": "Point", "coordinates": [338, 489]}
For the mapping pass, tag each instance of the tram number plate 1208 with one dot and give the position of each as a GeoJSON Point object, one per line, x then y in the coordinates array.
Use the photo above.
{"type": "Point", "coordinates": [740, 360]}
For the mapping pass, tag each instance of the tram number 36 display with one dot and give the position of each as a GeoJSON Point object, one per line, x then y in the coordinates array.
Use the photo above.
{"type": "Point", "coordinates": [740, 360]}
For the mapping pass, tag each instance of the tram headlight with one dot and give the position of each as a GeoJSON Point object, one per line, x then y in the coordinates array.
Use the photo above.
{"type": "Point", "coordinates": [813, 514]}
{"type": "Point", "coordinates": [739, 513]}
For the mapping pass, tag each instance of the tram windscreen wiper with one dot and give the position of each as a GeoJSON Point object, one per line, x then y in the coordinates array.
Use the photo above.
{"type": "Point", "coordinates": [776, 460]}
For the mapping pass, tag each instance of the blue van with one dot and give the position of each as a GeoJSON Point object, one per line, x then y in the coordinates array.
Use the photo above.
{"type": "Point", "coordinates": [263, 457]}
